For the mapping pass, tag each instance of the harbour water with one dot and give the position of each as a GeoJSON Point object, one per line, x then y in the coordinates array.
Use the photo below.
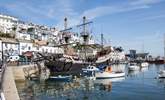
{"type": "Point", "coordinates": [137, 85]}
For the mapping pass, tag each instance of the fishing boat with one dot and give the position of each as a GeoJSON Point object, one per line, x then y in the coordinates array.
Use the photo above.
{"type": "Point", "coordinates": [103, 72]}
{"type": "Point", "coordinates": [133, 67]}
{"type": "Point", "coordinates": [90, 68]}
{"type": "Point", "coordinates": [89, 72]}
{"type": "Point", "coordinates": [144, 64]}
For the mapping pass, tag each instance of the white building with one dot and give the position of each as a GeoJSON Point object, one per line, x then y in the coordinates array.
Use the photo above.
{"type": "Point", "coordinates": [25, 46]}
{"type": "Point", "coordinates": [10, 48]}
{"type": "Point", "coordinates": [7, 23]}
{"type": "Point", "coordinates": [21, 31]}
{"type": "Point", "coordinates": [49, 49]}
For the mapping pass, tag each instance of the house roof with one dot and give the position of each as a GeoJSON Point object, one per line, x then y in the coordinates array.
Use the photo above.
{"type": "Point", "coordinates": [9, 40]}
{"type": "Point", "coordinates": [25, 41]}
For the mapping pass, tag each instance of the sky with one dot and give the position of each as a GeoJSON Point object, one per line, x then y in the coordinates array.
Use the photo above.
{"type": "Point", "coordinates": [132, 24]}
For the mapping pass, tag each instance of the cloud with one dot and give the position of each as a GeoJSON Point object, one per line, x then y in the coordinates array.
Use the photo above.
{"type": "Point", "coordinates": [107, 10]}
{"type": "Point", "coordinates": [40, 12]}
{"type": "Point", "coordinates": [58, 9]}
{"type": "Point", "coordinates": [130, 6]}
{"type": "Point", "coordinates": [144, 2]}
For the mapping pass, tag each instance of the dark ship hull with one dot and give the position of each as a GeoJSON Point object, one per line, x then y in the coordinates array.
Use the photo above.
{"type": "Point", "coordinates": [62, 67]}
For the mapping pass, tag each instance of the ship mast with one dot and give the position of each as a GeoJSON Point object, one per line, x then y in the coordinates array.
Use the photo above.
{"type": "Point", "coordinates": [102, 42]}
{"type": "Point", "coordinates": [164, 49]}
{"type": "Point", "coordinates": [85, 34]}
{"type": "Point", "coordinates": [65, 23]}
{"type": "Point", "coordinates": [65, 32]}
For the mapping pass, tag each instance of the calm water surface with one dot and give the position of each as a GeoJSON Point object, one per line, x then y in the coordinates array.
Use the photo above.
{"type": "Point", "coordinates": [137, 85]}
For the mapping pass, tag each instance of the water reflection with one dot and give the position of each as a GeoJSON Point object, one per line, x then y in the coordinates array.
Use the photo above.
{"type": "Point", "coordinates": [143, 69]}
{"type": "Point", "coordinates": [65, 90]}
{"type": "Point", "coordinates": [106, 84]}
{"type": "Point", "coordinates": [133, 73]}
{"type": "Point", "coordinates": [141, 84]}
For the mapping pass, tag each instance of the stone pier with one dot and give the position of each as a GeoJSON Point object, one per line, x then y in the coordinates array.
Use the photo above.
{"type": "Point", "coordinates": [9, 86]}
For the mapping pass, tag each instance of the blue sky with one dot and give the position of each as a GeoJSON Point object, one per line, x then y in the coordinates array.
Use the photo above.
{"type": "Point", "coordinates": [131, 24]}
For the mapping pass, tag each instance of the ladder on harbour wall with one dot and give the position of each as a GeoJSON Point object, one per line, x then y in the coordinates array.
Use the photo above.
{"type": "Point", "coordinates": [2, 71]}
{"type": "Point", "coordinates": [38, 70]}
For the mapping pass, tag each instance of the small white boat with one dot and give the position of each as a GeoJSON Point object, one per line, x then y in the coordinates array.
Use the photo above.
{"type": "Point", "coordinates": [106, 72]}
{"type": "Point", "coordinates": [161, 74]}
{"type": "Point", "coordinates": [144, 64]}
{"type": "Point", "coordinates": [60, 78]}
{"type": "Point", "coordinates": [133, 67]}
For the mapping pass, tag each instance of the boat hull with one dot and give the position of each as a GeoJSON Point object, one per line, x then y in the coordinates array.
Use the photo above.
{"type": "Point", "coordinates": [105, 75]}
{"type": "Point", "coordinates": [62, 67]}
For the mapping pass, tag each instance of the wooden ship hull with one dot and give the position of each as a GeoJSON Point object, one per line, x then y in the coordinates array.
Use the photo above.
{"type": "Point", "coordinates": [63, 67]}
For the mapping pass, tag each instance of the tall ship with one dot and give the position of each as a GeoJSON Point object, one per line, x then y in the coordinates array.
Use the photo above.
{"type": "Point", "coordinates": [78, 54]}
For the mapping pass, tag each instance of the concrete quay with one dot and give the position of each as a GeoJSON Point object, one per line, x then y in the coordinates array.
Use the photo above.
{"type": "Point", "coordinates": [9, 86]}
{"type": "Point", "coordinates": [12, 74]}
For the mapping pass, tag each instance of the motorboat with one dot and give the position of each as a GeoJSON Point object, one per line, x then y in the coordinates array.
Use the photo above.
{"type": "Point", "coordinates": [90, 68]}
{"type": "Point", "coordinates": [102, 72]}
{"type": "Point", "coordinates": [104, 75]}
{"type": "Point", "coordinates": [161, 74]}
{"type": "Point", "coordinates": [105, 71]}
{"type": "Point", "coordinates": [144, 64]}
{"type": "Point", "coordinates": [133, 67]}
{"type": "Point", "coordinates": [89, 72]}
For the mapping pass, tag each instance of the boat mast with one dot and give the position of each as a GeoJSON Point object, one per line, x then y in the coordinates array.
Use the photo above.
{"type": "Point", "coordinates": [102, 42]}
{"type": "Point", "coordinates": [65, 23]}
{"type": "Point", "coordinates": [164, 49]}
{"type": "Point", "coordinates": [65, 32]}
{"type": "Point", "coordinates": [85, 34]}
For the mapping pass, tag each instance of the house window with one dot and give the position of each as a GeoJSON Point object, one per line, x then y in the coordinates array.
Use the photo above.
{"type": "Point", "coordinates": [6, 45]}
{"type": "Point", "coordinates": [22, 47]}
{"type": "Point", "coordinates": [37, 48]}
